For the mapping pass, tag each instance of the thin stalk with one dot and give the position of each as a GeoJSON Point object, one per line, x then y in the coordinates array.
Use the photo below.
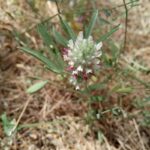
{"type": "Point", "coordinates": [126, 24]}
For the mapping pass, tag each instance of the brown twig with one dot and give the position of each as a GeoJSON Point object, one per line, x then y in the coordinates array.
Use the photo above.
{"type": "Point", "coordinates": [138, 133]}
{"type": "Point", "coordinates": [20, 116]}
{"type": "Point", "coordinates": [58, 9]}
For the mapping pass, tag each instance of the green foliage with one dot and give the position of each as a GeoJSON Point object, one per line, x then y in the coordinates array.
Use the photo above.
{"type": "Point", "coordinates": [90, 27]}
{"type": "Point", "coordinates": [141, 103]}
{"type": "Point", "coordinates": [59, 38]}
{"type": "Point", "coordinates": [68, 29]}
{"type": "Point", "coordinates": [8, 125]}
{"type": "Point", "coordinates": [108, 34]}
{"type": "Point", "coordinates": [146, 118]}
{"type": "Point", "coordinates": [32, 4]}
{"type": "Point", "coordinates": [134, 3]}
{"type": "Point", "coordinates": [47, 38]}
{"type": "Point", "coordinates": [49, 64]}
{"type": "Point", "coordinates": [115, 51]}
{"type": "Point", "coordinates": [96, 86]}
{"type": "Point", "coordinates": [123, 90]}
{"type": "Point", "coordinates": [36, 87]}
{"type": "Point", "coordinates": [117, 111]}
{"type": "Point", "coordinates": [96, 98]}
{"type": "Point", "coordinates": [49, 41]}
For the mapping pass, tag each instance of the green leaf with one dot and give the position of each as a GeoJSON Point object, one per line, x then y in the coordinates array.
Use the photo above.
{"type": "Point", "coordinates": [107, 12]}
{"type": "Point", "coordinates": [96, 86]}
{"type": "Point", "coordinates": [123, 89]}
{"type": "Point", "coordinates": [59, 38]}
{"type": "Point", "coordinates": [127, 72]}
{"type": "Point", "coordinates": [107, 35]}
{"type": "Point", "coordinates": [59, 60]}
{"type": "Point", "coordinates": [107, 60]}
{"type": "Point", "coordinates": [146, 118]}
{"type": "Point", "coordinates": [45, 35]}
{"type": "Point", "coordinates": [103, 21]}
{"type": "Point", "coordinates": [48, 40]}
{"type": "Point", "coordinates": [49, 64]}
{"type": "Point", "coordinates": [68, 29]}
{"type": "Point", "coordinates": [8, 125]}
{"type": "Point", "coordinates": [116, 111]}
{"type": "Point", "coordinates": [96, 98]}
{"type": "Point", "coordinates": [141, 103]}
{"type": "Point", "coordinates": [114, 50]}
{"type": "Point", "coordinates": [91, 24]}
{"type": "Point", "coordinates": [36, 87]}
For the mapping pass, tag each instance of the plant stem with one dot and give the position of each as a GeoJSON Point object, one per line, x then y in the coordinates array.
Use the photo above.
{"type": "Point", "coordinates": [126, 25]}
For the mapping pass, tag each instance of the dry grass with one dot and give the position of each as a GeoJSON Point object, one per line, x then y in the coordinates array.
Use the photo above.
{"type": "Point", "coordinates": [52, 117]}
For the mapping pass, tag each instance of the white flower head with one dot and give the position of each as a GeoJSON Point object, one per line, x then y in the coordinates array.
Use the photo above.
{"type": "Point", "coordinates": [73, 81]}
{"type": "Point", "coordinates": [80, 69]}
{"type": "Point", "coordinates": [88, 71]}
{"type": "Point", "coordinates": [71, 63]}
{"type": "Point", "coordinates": [84, 55]}
{"type": "Point", "coordinates": [99, 46]}
{"type": "Point", "coordinates": [77, 87]}
{"type": "Point", "coordinates": [74, 72]}
{"type": "Point", "coordinates": [65, 57]}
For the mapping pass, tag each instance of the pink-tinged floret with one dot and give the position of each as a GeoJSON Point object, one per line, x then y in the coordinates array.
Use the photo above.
{"type": "Point", "coordinates": [70, 68]}
{"type": "Point", "coordinates": [65, 51]}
